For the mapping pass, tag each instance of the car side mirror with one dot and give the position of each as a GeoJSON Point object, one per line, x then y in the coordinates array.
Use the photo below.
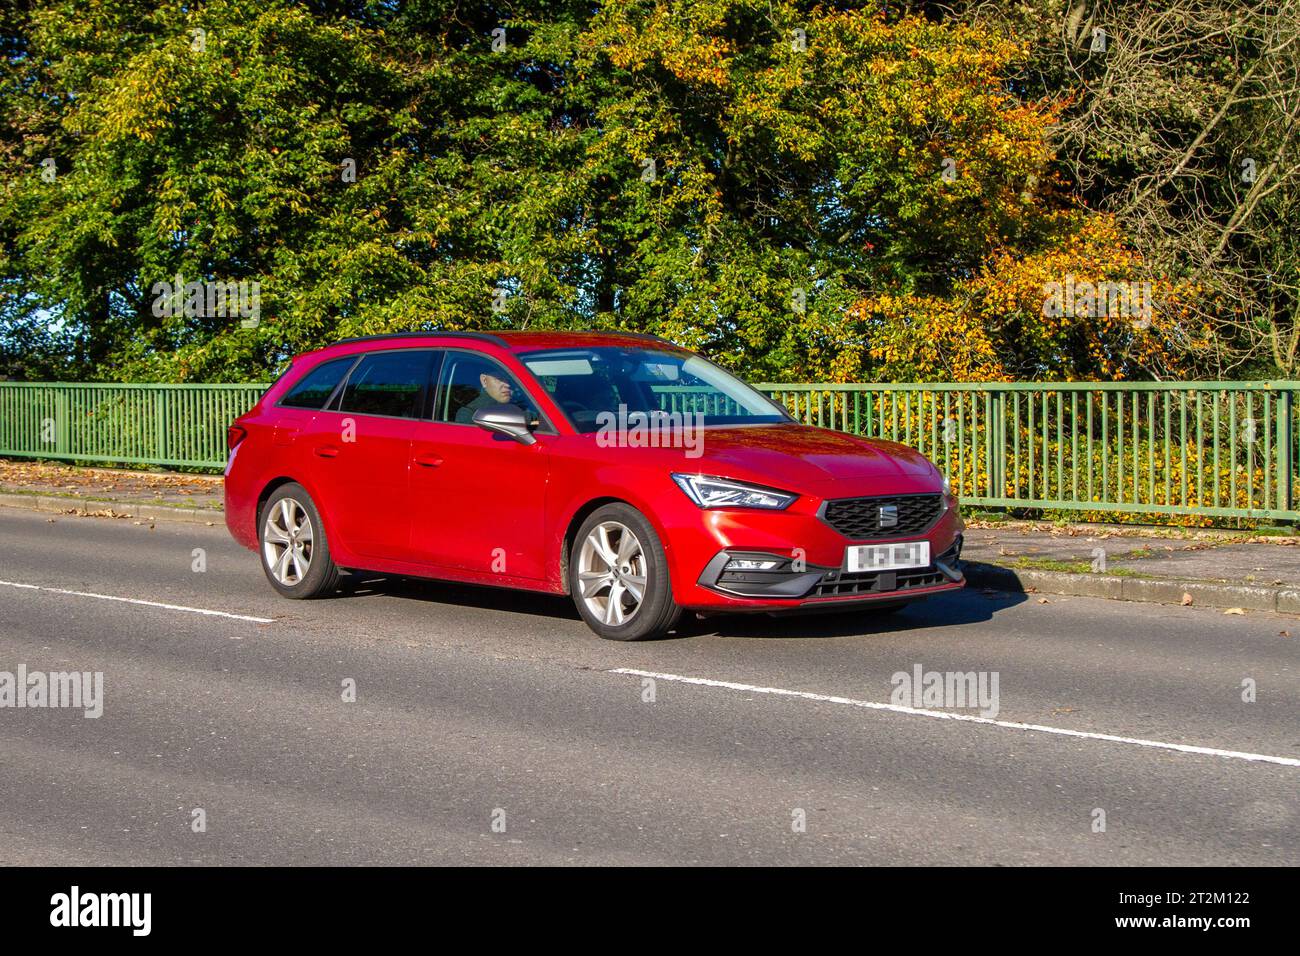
{"type": "Point", "coordinates": [508, 420]}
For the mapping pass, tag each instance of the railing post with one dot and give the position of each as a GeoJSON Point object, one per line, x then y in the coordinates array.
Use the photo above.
{"type": "Point", "coordinates": [1283, 445]}
{"type": "Point", "coordinates": [160, 422]}
{"type": "Point", "coordinates": [997, 432]}
{"type": "Point", "coordinates": [61, 421]}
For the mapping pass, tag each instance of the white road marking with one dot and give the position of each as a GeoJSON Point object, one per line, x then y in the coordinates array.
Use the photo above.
{"type": "Point", "coordinates": [126, 600]}
{"type": "Point", "coordinates": [968, 718]}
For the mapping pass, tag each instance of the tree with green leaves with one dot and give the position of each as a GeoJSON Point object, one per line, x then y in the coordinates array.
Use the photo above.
{"type": "Point", "coordinates": [801, 191]}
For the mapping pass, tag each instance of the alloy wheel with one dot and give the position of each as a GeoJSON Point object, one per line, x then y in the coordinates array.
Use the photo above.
{"type": "Point", "coordinates": [287, 541]}
{"type": "Point", "coordinates": [612, 573]}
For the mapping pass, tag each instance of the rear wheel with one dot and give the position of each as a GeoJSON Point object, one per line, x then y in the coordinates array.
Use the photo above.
{"type": "Point", "coordinates": [618, 576]}
{"type": "Point", "coordinates": [294, 549]}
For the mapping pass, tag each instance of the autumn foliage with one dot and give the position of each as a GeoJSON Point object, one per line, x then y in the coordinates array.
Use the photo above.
{"type": "Point", "coordinates": [798, 190]}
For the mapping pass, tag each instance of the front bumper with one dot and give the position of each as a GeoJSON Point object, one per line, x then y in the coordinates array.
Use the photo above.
{"type": "Point", "coordinates": [802, 563]}
{"type": "Point", "coordinates": [792, 580]}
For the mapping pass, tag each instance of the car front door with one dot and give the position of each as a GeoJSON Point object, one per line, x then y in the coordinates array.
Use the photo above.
{"type": "Point", "coordinates": [361, 449]}
{"type": "Point", "coordinates": [478, 498]}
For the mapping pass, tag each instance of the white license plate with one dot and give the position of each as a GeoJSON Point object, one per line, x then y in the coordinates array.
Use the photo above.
{"type": "Point", "coordinates": [888, 557]}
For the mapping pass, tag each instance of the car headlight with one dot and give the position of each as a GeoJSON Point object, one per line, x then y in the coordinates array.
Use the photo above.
{"type": "Point", "coordinates": [947, 486]}
{"type": "Point", "coordinates": [710, 492]}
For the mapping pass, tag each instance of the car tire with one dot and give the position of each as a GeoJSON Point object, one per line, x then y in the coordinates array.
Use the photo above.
{"type": "Point", "coordinates": [615, 553]}
{"type": "Point", "coordinates": [292, 543]}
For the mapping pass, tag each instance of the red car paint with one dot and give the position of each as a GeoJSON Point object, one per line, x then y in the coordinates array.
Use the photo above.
{"type": "Point", "coordinates": [441, 500]}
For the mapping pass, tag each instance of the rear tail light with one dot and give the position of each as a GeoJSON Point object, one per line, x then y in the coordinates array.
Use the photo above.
{"type": "Point", "coordinates": [234, 435]}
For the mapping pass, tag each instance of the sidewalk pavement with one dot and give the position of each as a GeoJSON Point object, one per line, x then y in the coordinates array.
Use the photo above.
{"type": "Point", "coordinates": [1225, 569]}
{"type": "Point", "coordinates": [110, 492]}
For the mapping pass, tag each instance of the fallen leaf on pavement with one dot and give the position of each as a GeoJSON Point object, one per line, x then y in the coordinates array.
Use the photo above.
{"type": "Point", "coordinates": [1235, 610]}
{"type": "Point", "coordinates": [1187, 599]}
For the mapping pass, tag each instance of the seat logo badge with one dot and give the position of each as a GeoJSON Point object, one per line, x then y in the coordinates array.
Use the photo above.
{"type": "Point", "coordinates": [888, 516]}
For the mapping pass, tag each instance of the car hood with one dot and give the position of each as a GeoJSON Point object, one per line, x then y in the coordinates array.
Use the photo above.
{"type": "Point", "coordinates": [800, 457]}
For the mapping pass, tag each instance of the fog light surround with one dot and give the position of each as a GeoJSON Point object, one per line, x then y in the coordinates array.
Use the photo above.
{"type": "Point", "coordinates": [752, 564]}
{"type": "Point", "coordinates": [760, 574]}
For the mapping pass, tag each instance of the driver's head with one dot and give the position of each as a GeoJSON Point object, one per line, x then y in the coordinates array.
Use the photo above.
{"type": "Point", "coordinates": [498, 389]}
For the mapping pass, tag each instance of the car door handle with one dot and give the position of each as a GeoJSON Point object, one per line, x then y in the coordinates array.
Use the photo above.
{"type": "Point", "coordinates": [428, 461]}
{"type": "Point", "coordinates": [327, 451]}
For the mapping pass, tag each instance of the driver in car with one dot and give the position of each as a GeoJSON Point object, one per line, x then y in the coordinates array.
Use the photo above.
{"type": "Point", "coordinates": [495, 391]}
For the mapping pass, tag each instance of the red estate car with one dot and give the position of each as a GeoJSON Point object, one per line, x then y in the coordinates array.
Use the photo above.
{"type": "Point", "coordinates": [620, 469]}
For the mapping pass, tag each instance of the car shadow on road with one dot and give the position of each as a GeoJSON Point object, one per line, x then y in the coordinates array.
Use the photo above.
{"type": "Point", "coordinates": [948, 610]}
{"type": "Point", "coordinates": [969, 606]}
{"type": "Point", "coordinates": [361, 584]}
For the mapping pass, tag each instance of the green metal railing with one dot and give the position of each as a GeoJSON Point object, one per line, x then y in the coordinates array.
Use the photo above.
{"type": "Point", "coordinates": [171, 425]}
{"type": "Point", "coordinates": [1223, 449]}
{"type": "Point", "coordinates": [690, 400]}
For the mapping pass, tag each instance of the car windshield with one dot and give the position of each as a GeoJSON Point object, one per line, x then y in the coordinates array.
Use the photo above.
{"type": "Point", "coordinates": [597, 387]}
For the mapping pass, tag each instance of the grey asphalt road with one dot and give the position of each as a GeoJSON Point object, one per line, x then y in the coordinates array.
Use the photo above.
{"type": "Point", "coordinates": [492, 727]}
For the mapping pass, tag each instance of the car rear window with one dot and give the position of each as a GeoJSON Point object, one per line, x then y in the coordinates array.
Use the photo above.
{"type": "Point", "coordinates": [315, 388]}
{"type": "Point", "coordinates": [388, 383]}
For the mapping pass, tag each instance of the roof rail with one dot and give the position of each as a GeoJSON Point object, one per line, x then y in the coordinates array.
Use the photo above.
{"type": "Point", "coordinates": [480, 336]}
{"type": "Point", "coordinates": [643, 335]}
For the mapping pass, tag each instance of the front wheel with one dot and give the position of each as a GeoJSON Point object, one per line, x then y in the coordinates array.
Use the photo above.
{"type": "Point", "coordinates": [295, 552]}
{"type": "Point", "coordinates": [618, 576]}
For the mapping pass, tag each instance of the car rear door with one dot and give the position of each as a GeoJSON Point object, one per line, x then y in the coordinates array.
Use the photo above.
{"type": "Point", "coordinates": [360, 448]}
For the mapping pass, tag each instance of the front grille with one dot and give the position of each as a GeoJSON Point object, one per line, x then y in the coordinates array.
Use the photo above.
{"type": "Point", "coordinates": [880, 582]}
{"type": "Point", "coordinates": [859, 518]}
{"type": "Point", "coordinates": [835, 584]}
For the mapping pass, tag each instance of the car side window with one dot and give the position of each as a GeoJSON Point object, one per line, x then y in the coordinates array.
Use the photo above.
{"type": "Point", "coordinates": [469, 382]}
{"type": "Point", "coordinates": [314, 389]}
{"type": "Point", "coordinates": [388, 383]}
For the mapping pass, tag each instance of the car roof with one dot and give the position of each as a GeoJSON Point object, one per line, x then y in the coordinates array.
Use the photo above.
{"type": "Point", "coordinates": [517, 342]}
{"type": "Point", "coordinates": [521, 341]}
{"type": "Point", "coordinates": [531, 341]}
